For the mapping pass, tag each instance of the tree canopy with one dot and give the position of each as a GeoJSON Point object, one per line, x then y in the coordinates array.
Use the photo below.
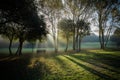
{"type": "Point", "coordinates": [23, 13]}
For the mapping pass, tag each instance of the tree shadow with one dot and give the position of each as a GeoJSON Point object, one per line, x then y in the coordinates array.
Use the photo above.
{"type": "Point", "coordinates": [17, 69]}
{"type": "Point", "coordinates": [104, 76]}
{"type": "Point", "coordinates": [96, 62]}
{"type": "Point", "coordinates": [108, 59]}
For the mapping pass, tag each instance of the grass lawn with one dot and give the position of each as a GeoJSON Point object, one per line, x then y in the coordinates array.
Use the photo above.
{"type": "Point", "coordinates": [85, 65]}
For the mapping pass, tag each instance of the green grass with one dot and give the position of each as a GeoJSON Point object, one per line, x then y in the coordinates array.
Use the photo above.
{"type": "Point", "coordinates": [86, 65]}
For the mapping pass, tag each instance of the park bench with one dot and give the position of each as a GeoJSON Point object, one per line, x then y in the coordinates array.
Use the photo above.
{"type": "Point", "coordinates": [41, 51]}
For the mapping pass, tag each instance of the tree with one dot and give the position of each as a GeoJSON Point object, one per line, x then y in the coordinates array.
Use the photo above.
{"type": "Point", "coordinates": [66, 25]}
{"type": "Point", "coordinates": [77, 8]}
{"type": "Point", "coordinates": [103, 9]}
{"type": "Point", "coordinates": [9, 31]}
{"type": "Point", "coordinates": [116, 37]}
{"type": "Point", "coordinates": [17, 11]}
{"type": "Point", "coordinates": [117, 32]}
{"type": "Point", "coordinates": [52, 9]}
{"type": "Point", "coordinates": [25, 14]}
{"type": "Point", "coordinates": [39, 33]}
{"type": "Point", "coordinates": [83, 29]}
{"type": "Point", "coordinates": [31, 33]}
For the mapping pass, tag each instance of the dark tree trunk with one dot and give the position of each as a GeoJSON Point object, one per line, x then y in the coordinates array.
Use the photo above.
{"type": "Point", "coordinates": [17, 50]}
{"type": "Point", "coordinates": [101, 35]}
{"type": "Point", "coordinates": [74, 39]}
{"type": "Point", "coordinates": [20, 50]}
{"type": "Point", "coordinates": [73, 33]}
{"type": "Point", "coordinates": [77, 39]}
{"type": "Point", "coordinates": [32, 47]}
{"type": "Point", "coordinates": [103, 41]}
{"type": "Point", "coordinates": [80, 43]}
{"type": "Point", "coordinates": [10, 45]}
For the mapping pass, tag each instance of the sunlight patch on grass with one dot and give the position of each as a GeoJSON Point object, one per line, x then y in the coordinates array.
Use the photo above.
{"type": "Point", "coordinates": [32, 63]}
{"type": "Point", "coordinates": [100, 70]}
{"type": "Point", "coordinates": [81, 66]}
{"type": "Point", "coordinates": [76, 71]}
{"type": "Point", "coordinates": [103, 51]}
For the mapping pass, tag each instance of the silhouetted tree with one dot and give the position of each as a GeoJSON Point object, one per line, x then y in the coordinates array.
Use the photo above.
{"type": "Point", "coordinates": [38, 33]}
{"type": "Point", "coordinates": [9, 31]}
{"type": "Point", "coordinates": [31, 33]}
{"type": "Point", "coordinates": [25, 14]}
{"type": "Point", "coordinates": [83, 29]}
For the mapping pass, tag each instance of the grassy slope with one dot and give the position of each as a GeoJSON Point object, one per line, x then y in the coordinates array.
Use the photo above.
{"type": "Point", "coordinates": [86, 65]}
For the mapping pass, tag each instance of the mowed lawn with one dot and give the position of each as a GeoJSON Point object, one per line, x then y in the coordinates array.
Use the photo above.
{"type": "Point", "coordinates": [84, 65]}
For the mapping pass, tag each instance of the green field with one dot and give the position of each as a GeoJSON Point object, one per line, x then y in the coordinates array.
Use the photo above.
{"type": "Point", "coordinates": [85, 65]}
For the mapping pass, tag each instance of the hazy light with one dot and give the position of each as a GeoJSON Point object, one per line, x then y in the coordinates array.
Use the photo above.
{"type": "Point", "coordinates": [50, 38]}
{"type": "Point", "coordinates": [36, 46]}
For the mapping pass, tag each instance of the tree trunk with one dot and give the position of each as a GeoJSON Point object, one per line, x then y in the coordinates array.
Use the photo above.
{"type": "Point", "coordinates": [20, 50]}
{"type": "Point", "coordinates": [103, 41]}
{"type": "Point", "coordinates": [73, 33]}
{"type": "Point", "coordinates": [55, 43]}
{"type": "Point", "coordinates": [17, 50]}
{"type": "Point", "coordinates": [77, 39]}
{"type": "Point", "coordinates": [10, 51]}
{"type": "Point", "coordinates": [32, 47]}
{"type": "Point", "coordinates": [74, 39]}
{"type": "Point", "coordinates": [100, 30]}
{"type": "Point", "coordinates": [80, 39]}
{"type": "Point", "coordinates": [67, 44]}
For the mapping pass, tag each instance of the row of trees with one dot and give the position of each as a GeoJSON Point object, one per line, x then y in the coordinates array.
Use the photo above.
{"type": "Point", "coordinates": [19, 20]}
{"type": "Point", "coordinates": [82, 29]}
{"type": "Point", "coordinates": [22, 20]}
{"type": "Point", "coordinates": [80, 12]}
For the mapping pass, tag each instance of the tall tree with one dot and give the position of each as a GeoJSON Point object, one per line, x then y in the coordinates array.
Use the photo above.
{"type": "Point", "coordinates": [104, 8]}
{"type": "Point", "coordinates": [52, 9]}
{"type": "Point", "coordinates": [117, 32]}
{"type": "Point", "coordinates": [9, 31]}
{"type": "Point", "coordinates": [66, 25]}
{"type": "Point", "coordinates": [76, 8]}
{"type": "Point", "coordinates": [34, 34]}
{"type": "Point", "coordinates": [31, 33]}
{"type": "Point", "coordinates": [83, 29]}
{"type": "Point", "coordinates": [25, 14]}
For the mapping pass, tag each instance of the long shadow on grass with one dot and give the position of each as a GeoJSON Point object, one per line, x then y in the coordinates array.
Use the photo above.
{"type": "Point", "coordinates": [95, 62]}
{"type": "Point", "coordinates": [108, 59]}
{"type": "Point", "coordinates": [16, 68]}
{"type": "Point", "coordinates": [104, 76]}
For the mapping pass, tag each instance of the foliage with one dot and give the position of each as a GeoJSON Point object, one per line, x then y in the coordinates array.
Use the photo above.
{"type": "Point", "coordinates": [21, 12]}
{"type": "Point", "coordinates": [9, 31]}
{"type": "Point", "coordinates": [66, 25]}
{"type": "Point", "coordinates": [104, 8]}
{"type": "Point", "coordinates": [52, 9]}
{"type": "Point", "coordinates": [117, 32]}
{"type": "Point", "coordinates": [83, 28]}
{"type": "Point", "coordinates": [24, 13]}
